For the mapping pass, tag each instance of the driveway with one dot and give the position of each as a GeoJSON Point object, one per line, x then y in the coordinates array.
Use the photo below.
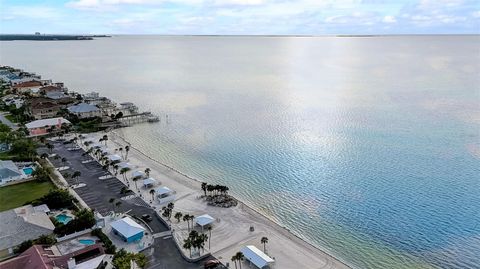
{"type": "Point", "coordinates": [7, 121]}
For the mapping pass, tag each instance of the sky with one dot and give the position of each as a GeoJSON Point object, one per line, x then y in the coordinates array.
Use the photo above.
{"type": "Point", "coordinates": [240, 17]}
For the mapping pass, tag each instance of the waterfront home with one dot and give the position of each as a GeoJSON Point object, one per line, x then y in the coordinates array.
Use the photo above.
{"type": "Point", "coordinates": [56, 95]}
{"type": "Point", "coordinates": [57, 257]}
{"type": "Point", "coordinates": [45, 126]}
{"type": "Point", "coordinates": [22, 224]}
{"type": "Point", "coordinates": [7, 75]}
{"type": "Point", "coordinates": [164, 194]}
{"type": "Point", "coordinates": [50, 88]}
{"type": "Point", "coordinates": [128, 229]}
{"type": "Point", "coordinates": [84, 110]}
{"type": "Point", "coordinates": [129, 106]}
{"type": "Point", "coordinates": [32, 86]}
{"type": "Point", "coordinates": [10, 172]}
{"type": "Point", "coordinates": [12, 99]}
{"type": "Point", "coordinates": [257, 257]}
{"type": "Point", "coordinates": [42, 108]}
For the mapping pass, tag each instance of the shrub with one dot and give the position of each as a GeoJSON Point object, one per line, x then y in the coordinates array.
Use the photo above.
{"type": "Point", "coordinates": [121, 260]}
{"type": "Point", "coordinates": [84, 219]}
{"type": "Point", "coordinates": [57, 199]}
{"type": "Point", "coordinates": [107, 243]}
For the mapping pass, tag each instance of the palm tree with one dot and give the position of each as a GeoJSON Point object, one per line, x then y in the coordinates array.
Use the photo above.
{"type": "Point", "coordinates": [188, 245]}
{"type": "Point", "coordinates": [121, 151]}
{"type": "Point", "coordinates": [147, 171]}
{"type": "Point", "coordinates": [75, 175]}
{"type": "Point", "coordinates": [186, 218]}
{"type": "Point", "coordinates": [178, 216]}
{"type": "Point", "coordinates": [264, 241]}
{"type": "Point", "coordinates": [112, 201]}
{"type": "Point", "coordinates": [152, 192]}
{"type": "Point", "coordinates": [204, 188]}
{"type": "Point", "coordinates": [50, 147]}
{"type": "Point", "coordinates": [64, 160]}
{"type": "Point", "coordinates": [234, 259]}
{"type": "Point", "coordinates": [191, 218]}
{"type": "Point", "coordinates": [105, 138]}
{"type": "Point", "coordinates": [123, 172]}
{"type": "Point", "coordinates": [135, 179]}
{"type": "Point", "coordinates": [117, 204]}
{"type": "Point", "coordinates": [240, 257]}
{"type": "Point", "coordinates": [127, 149]}
{"type": "Point", "coordinates": [115, 168]}
{"type": "Point", "coordinates": [209, 228]}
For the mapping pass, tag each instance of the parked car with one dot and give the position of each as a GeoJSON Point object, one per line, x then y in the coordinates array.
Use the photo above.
{"type": "Point", "coordinates": [210, 264]}
{"type": "Point", "coordinates": [147, 217]}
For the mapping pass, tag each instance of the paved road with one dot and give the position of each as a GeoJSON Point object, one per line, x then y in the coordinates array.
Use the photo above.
{"type": "Point", "coordinates": [97, 194]}
{"type": "Point", "coordinates": [7, 121]}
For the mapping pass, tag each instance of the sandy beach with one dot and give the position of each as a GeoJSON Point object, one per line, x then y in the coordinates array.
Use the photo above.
{"type": "Point", "coordinates": [231, 230]}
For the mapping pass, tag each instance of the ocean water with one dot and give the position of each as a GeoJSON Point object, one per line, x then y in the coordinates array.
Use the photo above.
{"type": "Point", "coordinates": [367, 147]}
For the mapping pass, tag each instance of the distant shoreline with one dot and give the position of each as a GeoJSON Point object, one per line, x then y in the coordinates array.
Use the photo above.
{"type": "Point", "coordinates": [38, 37]}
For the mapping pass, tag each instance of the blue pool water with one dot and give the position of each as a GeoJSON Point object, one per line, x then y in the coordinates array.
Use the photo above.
{"type": "Point", "coordinates": [87, 241]}
{"type": "Point", "coordinates": [63, 218]}
{"type": "Point", "coordinates": [28, 170]}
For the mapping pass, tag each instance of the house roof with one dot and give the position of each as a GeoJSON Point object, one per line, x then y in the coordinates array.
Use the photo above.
{"type": "Point", "coordinates": [39, 103]}
{"type": "Point", "coordinates": [256, 256]}
{"type": "Point", "coordinates": [42, 257]}
{"type": "Point", "coordinates": [82, 108]}
{"type": "Point", "coordinates": [56, 95]}
{"type": "Point", "coordinates": [21, 224]}
{"type": "Point", "coordinates": [28, 84]}
{"type": "Point", "coordinates": [46, 122]}
{"type": "Point", "coordinates": [204, 220]}
{"type": "Point", "coordinates": [127, 227]}
{"type": "Point", "coordinates": [50, 88]}
{"type": "Point", "coordinates": [41, 208]}
{"type": "Point", "coordinates": [8, 169]}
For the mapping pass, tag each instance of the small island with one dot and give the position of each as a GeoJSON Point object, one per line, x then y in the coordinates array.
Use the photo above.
{"type": "Point", "coordinates": [46, 37]}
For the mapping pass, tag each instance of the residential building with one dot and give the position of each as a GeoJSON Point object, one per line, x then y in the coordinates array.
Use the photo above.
{"type": "Point", "coordinates": [22, 224]}
{"type": "Point", "coordinates": [43, 108]}
{"type": "Point", "coordinates": [50, 88]}
{"type": "Point", "coordinates": [56, 95]}
{"type": "Point", "coordinates": [84, 110]}
{"type": "Point", "coordinates": [12, 99]}
{"type": "Point", "coordinates": [45, 126]}
{"type": "Point", "coordinates": [43, 257]}
{"type": "Point", "coordinates": [32, 86]}
{"type": "Point", "coordinates": [10, 172]}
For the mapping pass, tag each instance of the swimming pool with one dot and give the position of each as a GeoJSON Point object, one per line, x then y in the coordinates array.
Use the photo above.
{"type": "Point", "coordinates": [28, 170]}
{"type": "Point", "coordinates": [63, 218]}
{"type": "Point", "coordinates": [86, 241]}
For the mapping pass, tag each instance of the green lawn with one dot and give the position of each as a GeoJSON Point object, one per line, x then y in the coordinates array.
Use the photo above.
{"type": "Point", "coordinates": [11, 118]}
{"type": "Point", "coordinates": [16, 195]}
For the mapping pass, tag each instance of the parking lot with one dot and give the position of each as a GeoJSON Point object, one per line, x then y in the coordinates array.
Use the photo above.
{"type": "Point", "coordinates": [97, 192]}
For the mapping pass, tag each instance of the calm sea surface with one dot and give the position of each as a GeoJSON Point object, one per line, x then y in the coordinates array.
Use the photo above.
{"type": "Point", "coordinates": [366, 147]}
